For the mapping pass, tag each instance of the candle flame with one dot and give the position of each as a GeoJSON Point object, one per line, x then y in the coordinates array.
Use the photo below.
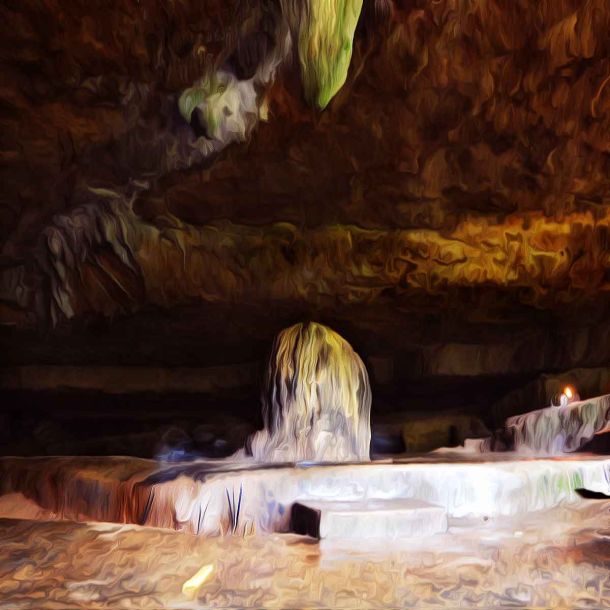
{"type": "Point", "coordinates": [568, 392]}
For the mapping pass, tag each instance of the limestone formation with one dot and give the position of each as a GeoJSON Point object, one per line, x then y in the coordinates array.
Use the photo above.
{"type": "Point", "coordinates": [562, 429]}
{"type": "Point", "coordinates": [316, 400]}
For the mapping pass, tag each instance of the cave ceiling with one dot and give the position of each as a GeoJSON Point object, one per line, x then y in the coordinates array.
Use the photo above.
{"type": "Point", "coordinates": [180, 179]}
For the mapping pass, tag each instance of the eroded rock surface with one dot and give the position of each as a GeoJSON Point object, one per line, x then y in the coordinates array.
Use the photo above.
{"type": "Point", "coordinates": [450, 203]}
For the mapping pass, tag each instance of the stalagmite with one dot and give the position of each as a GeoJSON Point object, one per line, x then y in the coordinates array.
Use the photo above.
{"type": "Point", "coordinates": [316, 400]}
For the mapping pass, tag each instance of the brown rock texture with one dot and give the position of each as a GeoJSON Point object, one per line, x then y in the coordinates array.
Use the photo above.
{"type": "Point", "coordinates": [449, 209]}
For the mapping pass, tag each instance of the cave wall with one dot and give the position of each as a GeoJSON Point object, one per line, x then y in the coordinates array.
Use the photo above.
{"type": "Point", "coordinates": [181, 180]}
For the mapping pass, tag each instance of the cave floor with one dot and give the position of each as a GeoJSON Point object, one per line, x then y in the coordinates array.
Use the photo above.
{"type": "Point", "coordinates": [557, 558]}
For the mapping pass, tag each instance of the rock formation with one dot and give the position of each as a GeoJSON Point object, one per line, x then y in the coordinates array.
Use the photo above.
{"type": "Point", "coordinates": [316, 400]}
{"type": "Point", "coordinates": [429, 178]}
{"type": "Point", "coordinates": [559, 430]}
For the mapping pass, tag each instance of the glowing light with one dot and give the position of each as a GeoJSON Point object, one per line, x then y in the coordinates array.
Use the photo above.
{"type": "Point", "coordinates": [568, 392]}
{"type": "Point", "coordinates": [192, 585]}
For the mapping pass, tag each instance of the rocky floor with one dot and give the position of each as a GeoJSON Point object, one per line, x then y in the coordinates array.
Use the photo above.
{"type": "Point", "coordinates": [558, 558]}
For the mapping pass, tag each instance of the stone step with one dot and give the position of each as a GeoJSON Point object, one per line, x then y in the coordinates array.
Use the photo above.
{"type": "Point", "coordinates": [404, 518]}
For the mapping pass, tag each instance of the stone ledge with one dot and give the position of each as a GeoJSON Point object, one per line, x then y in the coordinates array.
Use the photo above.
{"type": "Point", "coordinates": [120, 380]}
{"type": "Point", "coordinates": [404, 518]}
{"type": "Point", "coordinates": [194, 497]}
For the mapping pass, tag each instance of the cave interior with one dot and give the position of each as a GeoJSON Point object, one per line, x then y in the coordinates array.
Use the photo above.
{"type": "Point", "coordinates": [416, 190]}
{"type": "Point", "coordinates": [180, 181]}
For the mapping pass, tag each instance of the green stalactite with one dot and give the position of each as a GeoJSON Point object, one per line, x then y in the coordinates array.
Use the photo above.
{"type": "Point", "coordinates": [326, 33]}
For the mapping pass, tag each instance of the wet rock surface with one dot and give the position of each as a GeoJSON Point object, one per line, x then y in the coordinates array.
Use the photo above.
{"type": "Point", "coordinates": [563, 559]}
{"type": "Point", "coordinates": [211, 497]}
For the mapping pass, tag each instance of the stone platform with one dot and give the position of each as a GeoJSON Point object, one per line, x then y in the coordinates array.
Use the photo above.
{"type": "Point", "coordinates": [218, 497]}
{"type": "Point", "coordinates": [373, 519]}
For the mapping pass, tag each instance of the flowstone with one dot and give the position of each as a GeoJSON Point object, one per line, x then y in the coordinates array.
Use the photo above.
{"type": "Point", "coordinates": [316, 400]}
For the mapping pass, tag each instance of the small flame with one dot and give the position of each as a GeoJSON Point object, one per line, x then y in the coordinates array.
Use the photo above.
{"type": "Point", "coordinates": [568, 392]}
